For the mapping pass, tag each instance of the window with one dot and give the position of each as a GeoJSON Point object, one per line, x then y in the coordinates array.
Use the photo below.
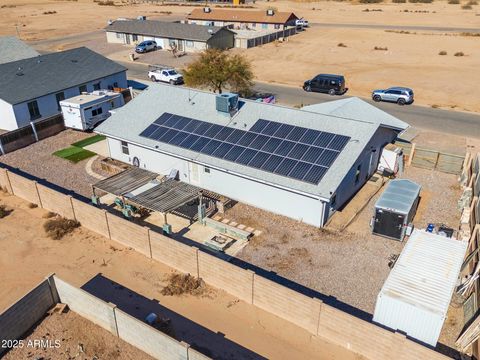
{"type": "Point", "coordinates": [96, 112]}
{"type": "Point", "coordinates": [357, 174]}
{"type": "Point", "coordinates": [264, 26]}
{"type": "Point", "coordinates": [115, 84]}
{"type": "Point", "coordinates": [59, 96]}
{"type": "Point", "coordinates": [135, 37]}
{"type": "Point", "coordinates": [82, 88]}
{"type": "Point", "coordinates": [189, 44]}
{"type": "Point", "coordinates": [125, 148]}
{"type": "Point", "coordinates": [207, 170]}
{"type": "Point", "coordinates": [119, 35]}
{"type": "Point", "coordinates": [254, 25]}
{"type": "Point", "coordinates": [96, 86]}
{"type": "Point", "coordinates": [277, 26]}
{"type": "Point", "coordinates": [33, 110]}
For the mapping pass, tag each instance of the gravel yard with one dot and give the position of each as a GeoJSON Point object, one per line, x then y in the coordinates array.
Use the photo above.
{"type": "Point", "coordinates": [37, 159]}
{"type": "Point", "coordinates": [351, 265]}
{"type": "Point", "coordinates": [77, 338]}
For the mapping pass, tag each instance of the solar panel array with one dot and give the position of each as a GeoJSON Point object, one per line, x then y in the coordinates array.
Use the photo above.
{"type": "Point", "coordinates": [292, 151]}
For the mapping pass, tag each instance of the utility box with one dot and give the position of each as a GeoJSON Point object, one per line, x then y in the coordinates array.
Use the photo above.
{"type": "Point", "coordinates": [395, 209]}
{"type": "Point", "coordinates": [84, 112]}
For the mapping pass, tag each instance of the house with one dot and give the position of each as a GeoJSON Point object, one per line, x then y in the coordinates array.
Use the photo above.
{"type": "Point", "coordinates": [243, 19]}
{"type": "Point", "coordinates": [186, 37]}
{"type": "Point", "coordinates": [13, 49]}
{"type": "Point", "coordinates": [33, 88]}
{"type": "Point", "coordinates": [299, 163]}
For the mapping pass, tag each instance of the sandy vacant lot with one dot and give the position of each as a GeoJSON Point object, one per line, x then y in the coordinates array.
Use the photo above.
{"type": "Point", "coordinates": [410, 60]}
{"type": "Point", "coordinates": [217, 323]}
{"type": "Point", "coordinates": [78, 338]}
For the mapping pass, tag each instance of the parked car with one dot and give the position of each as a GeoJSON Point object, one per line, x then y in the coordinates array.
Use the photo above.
{"type": "Point", "coordinates": [163, 74]}
{"type": "Point", "coordinates": [146, 46]}
{"type": "Point", "coordinates": [400, 95]}
{"type": "Point", "coordinates": [301, 23]}
{"type": "Point", "coordinates": [327, 83]}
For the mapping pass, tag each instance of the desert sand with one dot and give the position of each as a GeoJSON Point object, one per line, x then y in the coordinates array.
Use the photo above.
{"type": "Point", "coordinates": [27, 256]}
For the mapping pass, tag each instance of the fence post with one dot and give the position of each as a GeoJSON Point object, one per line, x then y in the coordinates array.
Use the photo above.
{"type": "Point", "coordinates": [149, 241]}
{"type": "Point", "coordinates": [412, 153]}
{"type": "Point", "coordinates": [108, 226]}
{"type": "Point", "coordinates": [32, 124]}
{"type": "Point", "coordinates": [71, 205]}
{"type": "Point", "coordinates": [38, 195]}
{"type": "Point", "coordinates": [114, 308]}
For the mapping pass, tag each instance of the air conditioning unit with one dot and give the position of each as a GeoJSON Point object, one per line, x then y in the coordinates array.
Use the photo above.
{"type": "Point", "coordinates": [206, 9]}
{"type": "Point", "coordinates": [270, 12]}
{"type": "Point", "coordinates": [227, 103]}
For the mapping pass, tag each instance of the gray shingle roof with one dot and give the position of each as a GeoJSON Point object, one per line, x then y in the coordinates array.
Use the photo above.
{"type": "Point", "coordinates": [130, 120]}
{"type": "Point", "coordinates": [164, 29]}
{"type": "Point", "coordinates": [13, 49]}
{"type": "Point", "coordinates": [46, 74]}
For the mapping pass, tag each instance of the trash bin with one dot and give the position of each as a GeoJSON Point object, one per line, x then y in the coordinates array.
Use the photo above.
{"type": "Point", "coordinates": [132, 56]}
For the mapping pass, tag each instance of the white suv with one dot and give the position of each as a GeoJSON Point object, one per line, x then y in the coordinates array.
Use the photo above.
{"type": "Point", "coordinates": [400, 95]}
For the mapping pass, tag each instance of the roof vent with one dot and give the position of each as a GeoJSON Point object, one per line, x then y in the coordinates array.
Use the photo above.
{"type": "Point", "coordinates": [270, 12]}
{"type": "Point", "coordinates": [19, 71]}
{"type": "Point", "coordinates": [207, 9]}
{"type": "Point", "coordinates": [227, 103]}
{"type": "Point", "coordinates": [74, 61]}
{"type": "Point", "coordinates": [210, 31]}
{"type": "Point", "coordinates": [141, 17]}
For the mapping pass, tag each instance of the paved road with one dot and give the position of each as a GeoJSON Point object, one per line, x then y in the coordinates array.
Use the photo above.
{"type": "Point", "coordinates": [398, 27]}
{"type": "Point", "coordinates": [451, 122]}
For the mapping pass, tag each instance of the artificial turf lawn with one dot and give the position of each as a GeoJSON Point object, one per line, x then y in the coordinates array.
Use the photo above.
{"type": "Point", "coordinates": [89, 141]}
{"type": "Point", "coordinates": [74, 154]}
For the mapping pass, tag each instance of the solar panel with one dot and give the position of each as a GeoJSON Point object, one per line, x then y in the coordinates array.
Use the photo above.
{"type": "Point", "coordinates": [292, 151]}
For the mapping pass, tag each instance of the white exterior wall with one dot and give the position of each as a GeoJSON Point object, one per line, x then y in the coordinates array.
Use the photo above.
{"type": "Point", "coordinates": [112, 38]}
{"type": "Point", "coordinates": [7, 116]}
{"type": "Point", "coordinates": [263, 196]}
{"type": "Point", "coordinates": [48, 106]}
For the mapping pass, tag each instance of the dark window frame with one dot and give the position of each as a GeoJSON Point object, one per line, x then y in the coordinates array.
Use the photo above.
{"type": "Point", "coordinates": [60, 96]}
{"type": "Point", "coordinates": [125, 149]}
{"type": "Point", "coordinates": [34, 110]}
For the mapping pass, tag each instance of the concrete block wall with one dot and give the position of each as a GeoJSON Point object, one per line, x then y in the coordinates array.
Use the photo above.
{"type": "Point", "coordinates": [91, 217]}
{"type": "Point", "coordinates": [175, 254]}
{"type": "Point", "coordinates": [144, 337]}
{"type": "Point", "coordinates": [56, 202]}
{"type": "Point", "coordinates": [321, 320]}
{"type": "Point", "coordinates": [223, 275]}
{"type": "Point", "coordinates": [27, 311]}
{"type": "Point", "coordinates": [286, 303]}
{"type": "Point", "coordinates": [24, 188]}
{"type": "Point", "coordinates": [86, 305]}
{"type": "Point", "coordinates": [129, 234]}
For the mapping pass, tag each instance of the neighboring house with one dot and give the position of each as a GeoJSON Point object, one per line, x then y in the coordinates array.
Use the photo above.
{"type": "Point", "coordinates": [300, 163]}
{"type": "Point", "coordinates": [185, 37]}
{"type": "Point", "coordinates": [13, 49]}
{"type": "Point", "coordinates": [243, 19]}
{"type": "Point", "coordinates": [32, 88]}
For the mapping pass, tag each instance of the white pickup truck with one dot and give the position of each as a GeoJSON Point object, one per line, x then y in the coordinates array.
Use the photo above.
{"type": "Point", "coordinates": [168, 75]}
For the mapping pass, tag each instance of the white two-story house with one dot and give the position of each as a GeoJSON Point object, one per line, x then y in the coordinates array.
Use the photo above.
{"type": "Point", "coordinates": [32, 88]}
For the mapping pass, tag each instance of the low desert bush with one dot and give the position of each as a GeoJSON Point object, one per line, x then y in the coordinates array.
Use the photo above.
{"type": "Point", "coordinates": [454, 2]}
{"type": "Point", "coordinates": [179, 284]}
{"type": "Point", "coordinates": [443, 52]}
{"type": "Point", "coordinates": [58, 227]}
{"type": "Point", "coordinates": [380, 48]}
{"type": "Point", "coordinates": [420, 1]}
{"type": "Point", "coordinates": [49, 215]}
{"type": "Point", "coordinates": [49, 12]}
{"type": "Point", "coordinates": [399, 1]}
{"type": "Point", "coordinates": [106, 3]}
{"type": "Point", "coordinates": [341, 45]}
{"type": "Point", "coordinates": [32, 205]}
{"type": "Point", "coordinates": [472, 2]}
{"type": "Point", "coordinates": [4, 211]}
{"type": "Point", "coordinates": [370, 1]}
{"type": "Point", "coordinates": [467, 7]}
{"type": "Point", "coordinates": [459, 53]}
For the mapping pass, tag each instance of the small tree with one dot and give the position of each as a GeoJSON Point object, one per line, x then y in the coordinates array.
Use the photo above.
{"type": "Point", "coordinates": [217, 70]}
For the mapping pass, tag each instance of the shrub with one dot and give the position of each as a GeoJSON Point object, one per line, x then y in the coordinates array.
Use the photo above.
{"type": "Point", "coordinates": [106, 3]}
{"type": "Point", "coordinates": [179, 284]}
{"type": "Point", "coordinates": [341, 45]}
{"type": "Point", "coordinates": [472, 2]}
{"type": "Point", "coordinates": [420, 1]}
{"type": "Point", "coordinates": [380, 48]}
{"type": "Point", "coordinates": [454, 2]}
{"type": "Point", "coordinates": [49, 215]}
{"type": "Point", "coordinates": [32, 205]}
{"type": "Point", "coordinates": [443, 52]}
{"type": "Point", "coordinates": [467, 7]}
{"type": "Point", "coordinates": [370, 1]}
{"type": "Point", "coordinates": [59, 227]}
{"type": "Point", "coordinates": [459, 54]}
{"type": "Point", "coordinates": [399, 1]}
{"type": "Point", "coordinates": [4, 211]}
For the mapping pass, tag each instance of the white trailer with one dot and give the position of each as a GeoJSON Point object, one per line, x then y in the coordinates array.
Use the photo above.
{"type": "Point", "coordinates": [84, 112]}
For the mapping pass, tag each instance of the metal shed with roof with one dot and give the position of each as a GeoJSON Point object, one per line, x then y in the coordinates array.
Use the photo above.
{"type": "Point", "coordinates": [395, 209]}
{"type": "Point", "coordinates": [416, 295]}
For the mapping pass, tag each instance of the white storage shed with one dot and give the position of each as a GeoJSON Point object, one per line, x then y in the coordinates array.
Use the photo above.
{"type": "Point", "coordinates": [415, 297]}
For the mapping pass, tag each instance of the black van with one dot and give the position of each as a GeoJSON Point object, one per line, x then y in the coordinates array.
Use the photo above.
{"type": "Point", "coordinates": [326, 83]}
